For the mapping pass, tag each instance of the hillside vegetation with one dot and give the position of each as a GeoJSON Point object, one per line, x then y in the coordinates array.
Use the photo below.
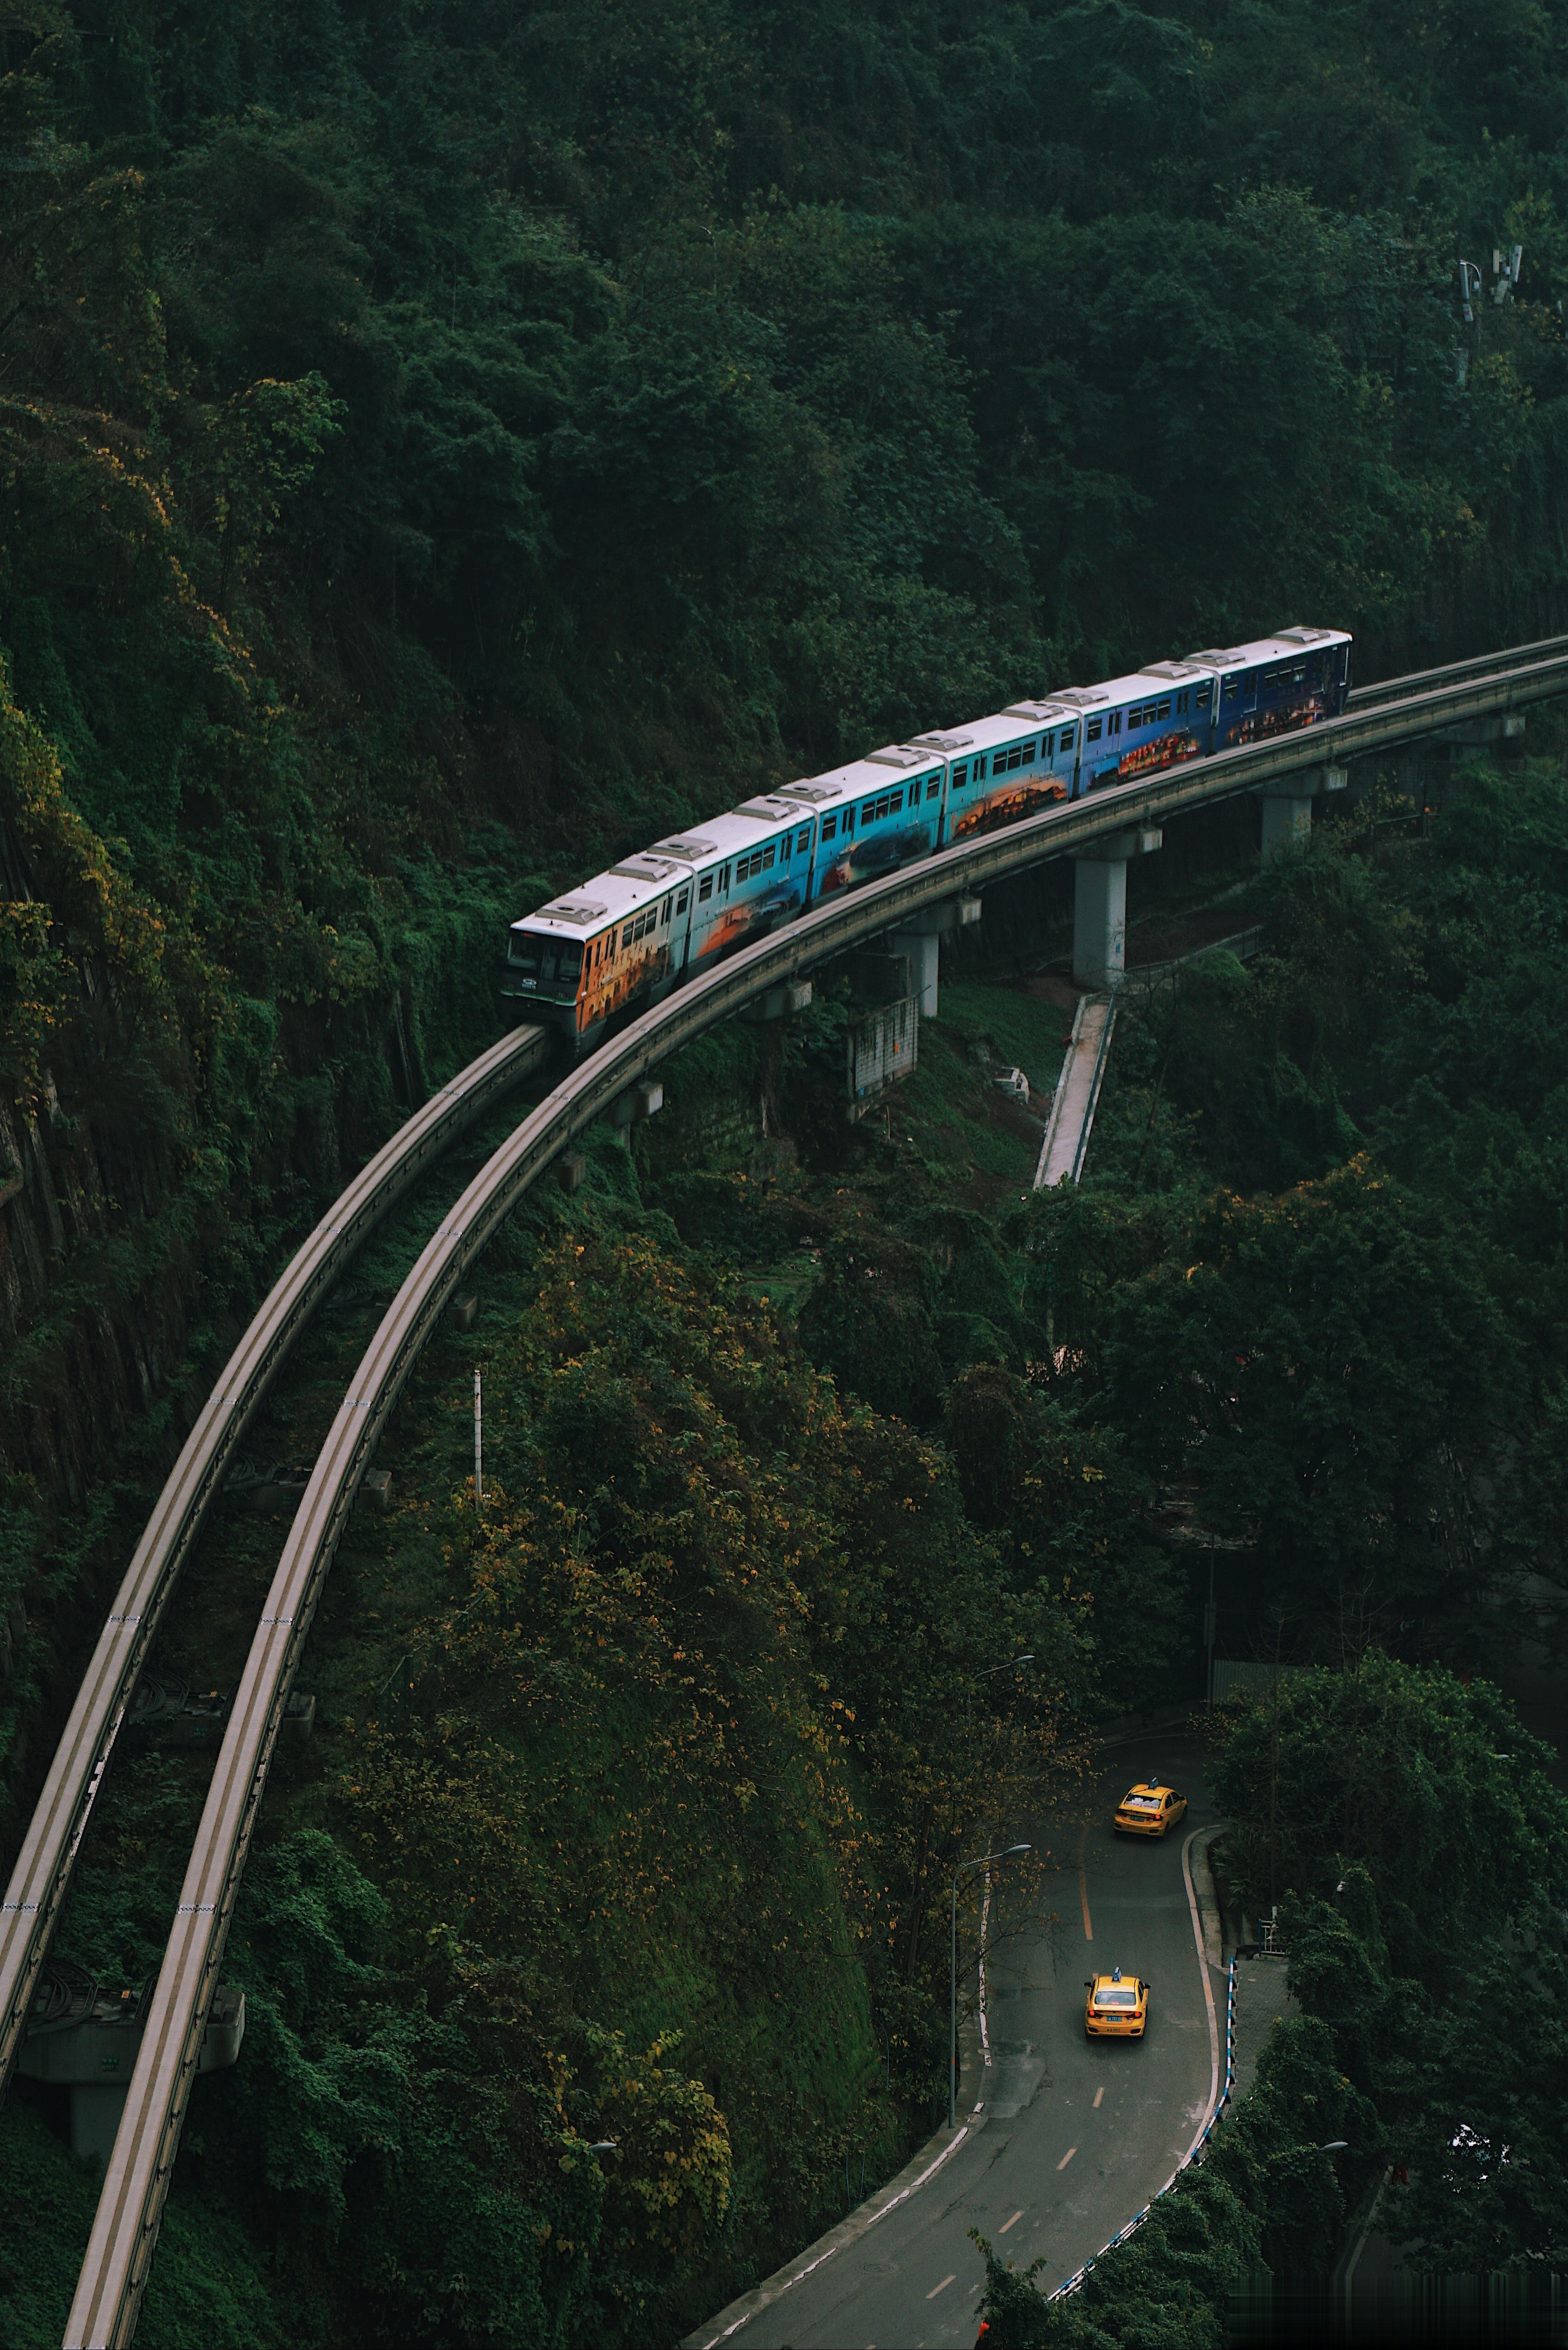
{"type": "Point", "coordinates": [442, 447]}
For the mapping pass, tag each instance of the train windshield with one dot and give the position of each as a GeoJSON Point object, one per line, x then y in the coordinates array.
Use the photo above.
{"type": "Point", "coordinates": [555, 965]}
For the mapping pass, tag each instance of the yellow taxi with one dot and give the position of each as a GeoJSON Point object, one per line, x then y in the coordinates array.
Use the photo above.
{"type": "Point", "coordinates": [1149, 1809]}
{"type": "Point", "coordinates": [1116, 2007]}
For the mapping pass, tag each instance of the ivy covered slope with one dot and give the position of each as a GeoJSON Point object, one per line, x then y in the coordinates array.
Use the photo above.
{"type": "Point", "coordinates": [442, 446]}
{"type": "Point", "coordinates": [629, 1815]}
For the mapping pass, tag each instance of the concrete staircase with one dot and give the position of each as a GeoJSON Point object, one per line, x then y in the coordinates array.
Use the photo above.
{"type": "Point", "coordinates": [1077, 1093]}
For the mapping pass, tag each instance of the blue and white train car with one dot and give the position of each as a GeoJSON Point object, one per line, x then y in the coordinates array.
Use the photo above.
{"type": "Point", "coordinates": [628, 936]}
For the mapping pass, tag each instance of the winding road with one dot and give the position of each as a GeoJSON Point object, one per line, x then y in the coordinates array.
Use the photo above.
{"type": "Point", "coordinates": [1075, 2137]}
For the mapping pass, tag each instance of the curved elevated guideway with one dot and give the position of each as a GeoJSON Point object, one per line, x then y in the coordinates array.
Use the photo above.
{"type": "Point", "coordinates": [125, 2230]}
{"type": "Point", "coordinates": [41, 1877]}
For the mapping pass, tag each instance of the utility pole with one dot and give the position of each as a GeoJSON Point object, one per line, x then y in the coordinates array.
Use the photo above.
{"type": "Point", "coordinates": [478, 1447]}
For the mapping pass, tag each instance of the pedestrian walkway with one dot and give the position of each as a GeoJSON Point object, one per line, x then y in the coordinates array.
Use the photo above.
{"type": "Point", "coordinates": [1066, 1142]}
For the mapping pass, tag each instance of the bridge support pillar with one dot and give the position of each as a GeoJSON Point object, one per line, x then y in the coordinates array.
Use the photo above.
{"type": "Point", "coordinates": [86, 2040]}
{"type": "Point", "coordinates": [1286, 821]}
{"type": "Point", "coordinates": [630, 1107]}
{"type": "Point", "coordinates": [794, 995]}
{"type": "Point", "coordinates": [921, 939]}
{"type": "Point", "coordinates": [923, 949]}
{"type": "Point", "coordinates": [1287, 805]}
{"type": "Point", "coordinates": [1100, 906]}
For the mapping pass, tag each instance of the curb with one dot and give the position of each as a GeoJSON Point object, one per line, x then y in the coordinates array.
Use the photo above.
{"type": "Point", "coordinates": [915, 2173]}
{"type": "Point", "coordinates": [1224, 2077]}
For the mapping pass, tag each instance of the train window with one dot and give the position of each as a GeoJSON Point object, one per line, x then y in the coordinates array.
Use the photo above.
{"type": "Point", "coordinates": [934, 788]}
{"type": "Point", "coordinates": [829, 828]}
{"type": "Point", "coordinates": [980, 771]}
{"type": "Point", "coordinates": [1092, 731]}
{"type": "Point", "coordinates": [1181, 702]}
{"type": "Point", "coordinates": [1114, 722]}
{"type": "Point", "coordinates": [802, 839]}
{"type": "Point", "coordinates": [664, 915]}
{"type": "Point", "coordinates": [786, 845]}
{"type": "Point", "coordinates": [1200, 698]}
{"type": "Point", "coordinates": [680, 903]}
{"type": "Point", "coordinates": [847, 825]}
{"type": "Point", "coordinates": [1232, 689]}
{"type": "Point", "coordinates": [1067, 735]}
{"type": "Point", "coordinates": [1163, 711]}
{"type": "Point", "coordinates": [961, 777]}
{"type": "Point", "coordinates": [705, 886]}
{"type": "Point", "coordinates": [540, 957]}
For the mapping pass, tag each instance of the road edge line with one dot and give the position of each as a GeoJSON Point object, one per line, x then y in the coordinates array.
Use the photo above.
{"type": "Point", "coordinates": [898, 2189]}
{"type": "Point", "coordinates": [1201, 1945]}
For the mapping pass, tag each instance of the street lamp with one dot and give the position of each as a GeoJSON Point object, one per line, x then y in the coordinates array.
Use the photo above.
{"type": "Point", "coordinates": [965, 1868]}
{"type": "Point", "coordinates": [1010, 1666]}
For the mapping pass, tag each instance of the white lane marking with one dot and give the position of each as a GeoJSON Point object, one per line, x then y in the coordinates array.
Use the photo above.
{"type": "Point", "coordinates": [812, 2266]}
{"type": "Point", "coordinates": [940, 2288]}
{"type": "Point", "coordinates": [1099, 2092]}
{"type": "Point", "coordinates": [1011, 2223]}
{"type": "Point", "coordinates": [1067, 2157]}
{"type": "Point", "coordinates": [985, 1928]}
{"type": "Point", "coordinates": [1208, 1996]}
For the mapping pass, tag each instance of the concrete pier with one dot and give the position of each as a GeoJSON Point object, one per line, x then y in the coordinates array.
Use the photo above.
{"type": "Point", "coordinates": [1100, 906]}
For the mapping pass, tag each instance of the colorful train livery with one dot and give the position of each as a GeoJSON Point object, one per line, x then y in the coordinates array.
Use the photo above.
{"type": "Point", "coordinates": [636, 930]}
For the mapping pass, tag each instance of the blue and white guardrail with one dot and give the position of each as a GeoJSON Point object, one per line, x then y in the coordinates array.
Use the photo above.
{"type": "Point", "coordinates": [1075, 2280]}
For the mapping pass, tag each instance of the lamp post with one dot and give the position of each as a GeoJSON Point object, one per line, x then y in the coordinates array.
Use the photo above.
{"type": "Point", "coordinates": [965, 1868]}
{"type": "Point", "coordinates": [1011, 1665]}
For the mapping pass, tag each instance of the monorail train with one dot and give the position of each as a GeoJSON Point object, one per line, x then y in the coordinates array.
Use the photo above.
{"type": "Point", "coordinates": [623, 940]}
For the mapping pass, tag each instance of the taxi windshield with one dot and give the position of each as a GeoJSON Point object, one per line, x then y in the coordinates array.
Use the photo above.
{"type": "Point", "coordinates": [1119, 1995]}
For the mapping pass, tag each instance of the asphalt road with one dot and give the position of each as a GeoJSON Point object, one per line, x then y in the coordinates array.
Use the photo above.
{"type": "Point", "coordinates": [1079, 2135]}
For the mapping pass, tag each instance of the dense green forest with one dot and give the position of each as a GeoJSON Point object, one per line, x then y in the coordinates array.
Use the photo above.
{"type": "Point", "coordinates": [444, 446]}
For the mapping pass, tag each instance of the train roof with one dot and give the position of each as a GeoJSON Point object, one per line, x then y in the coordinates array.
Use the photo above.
{"type": "Point", "coordinates": [647, 873]}
{"type": "Point", "coordinates": [606, 897]}
{"type": "Point", "coordinates": [1112, 692]}
{"type": "Point", "coordinates": [874, 773]}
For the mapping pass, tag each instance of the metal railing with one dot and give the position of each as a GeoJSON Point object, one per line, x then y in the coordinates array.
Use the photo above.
{"type": "Point", "coordinates": [125, 2230]}
{"type": "Point", "coordinates": [1075, 2282]}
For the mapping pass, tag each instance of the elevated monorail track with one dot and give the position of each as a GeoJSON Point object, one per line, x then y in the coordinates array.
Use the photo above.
{"type": "Point", "coordinates": [41, 1877]}
{"type": "Point", "coordinates": [1476, 667]}
{"type": "Point", "coordinates": [124, 2233]}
